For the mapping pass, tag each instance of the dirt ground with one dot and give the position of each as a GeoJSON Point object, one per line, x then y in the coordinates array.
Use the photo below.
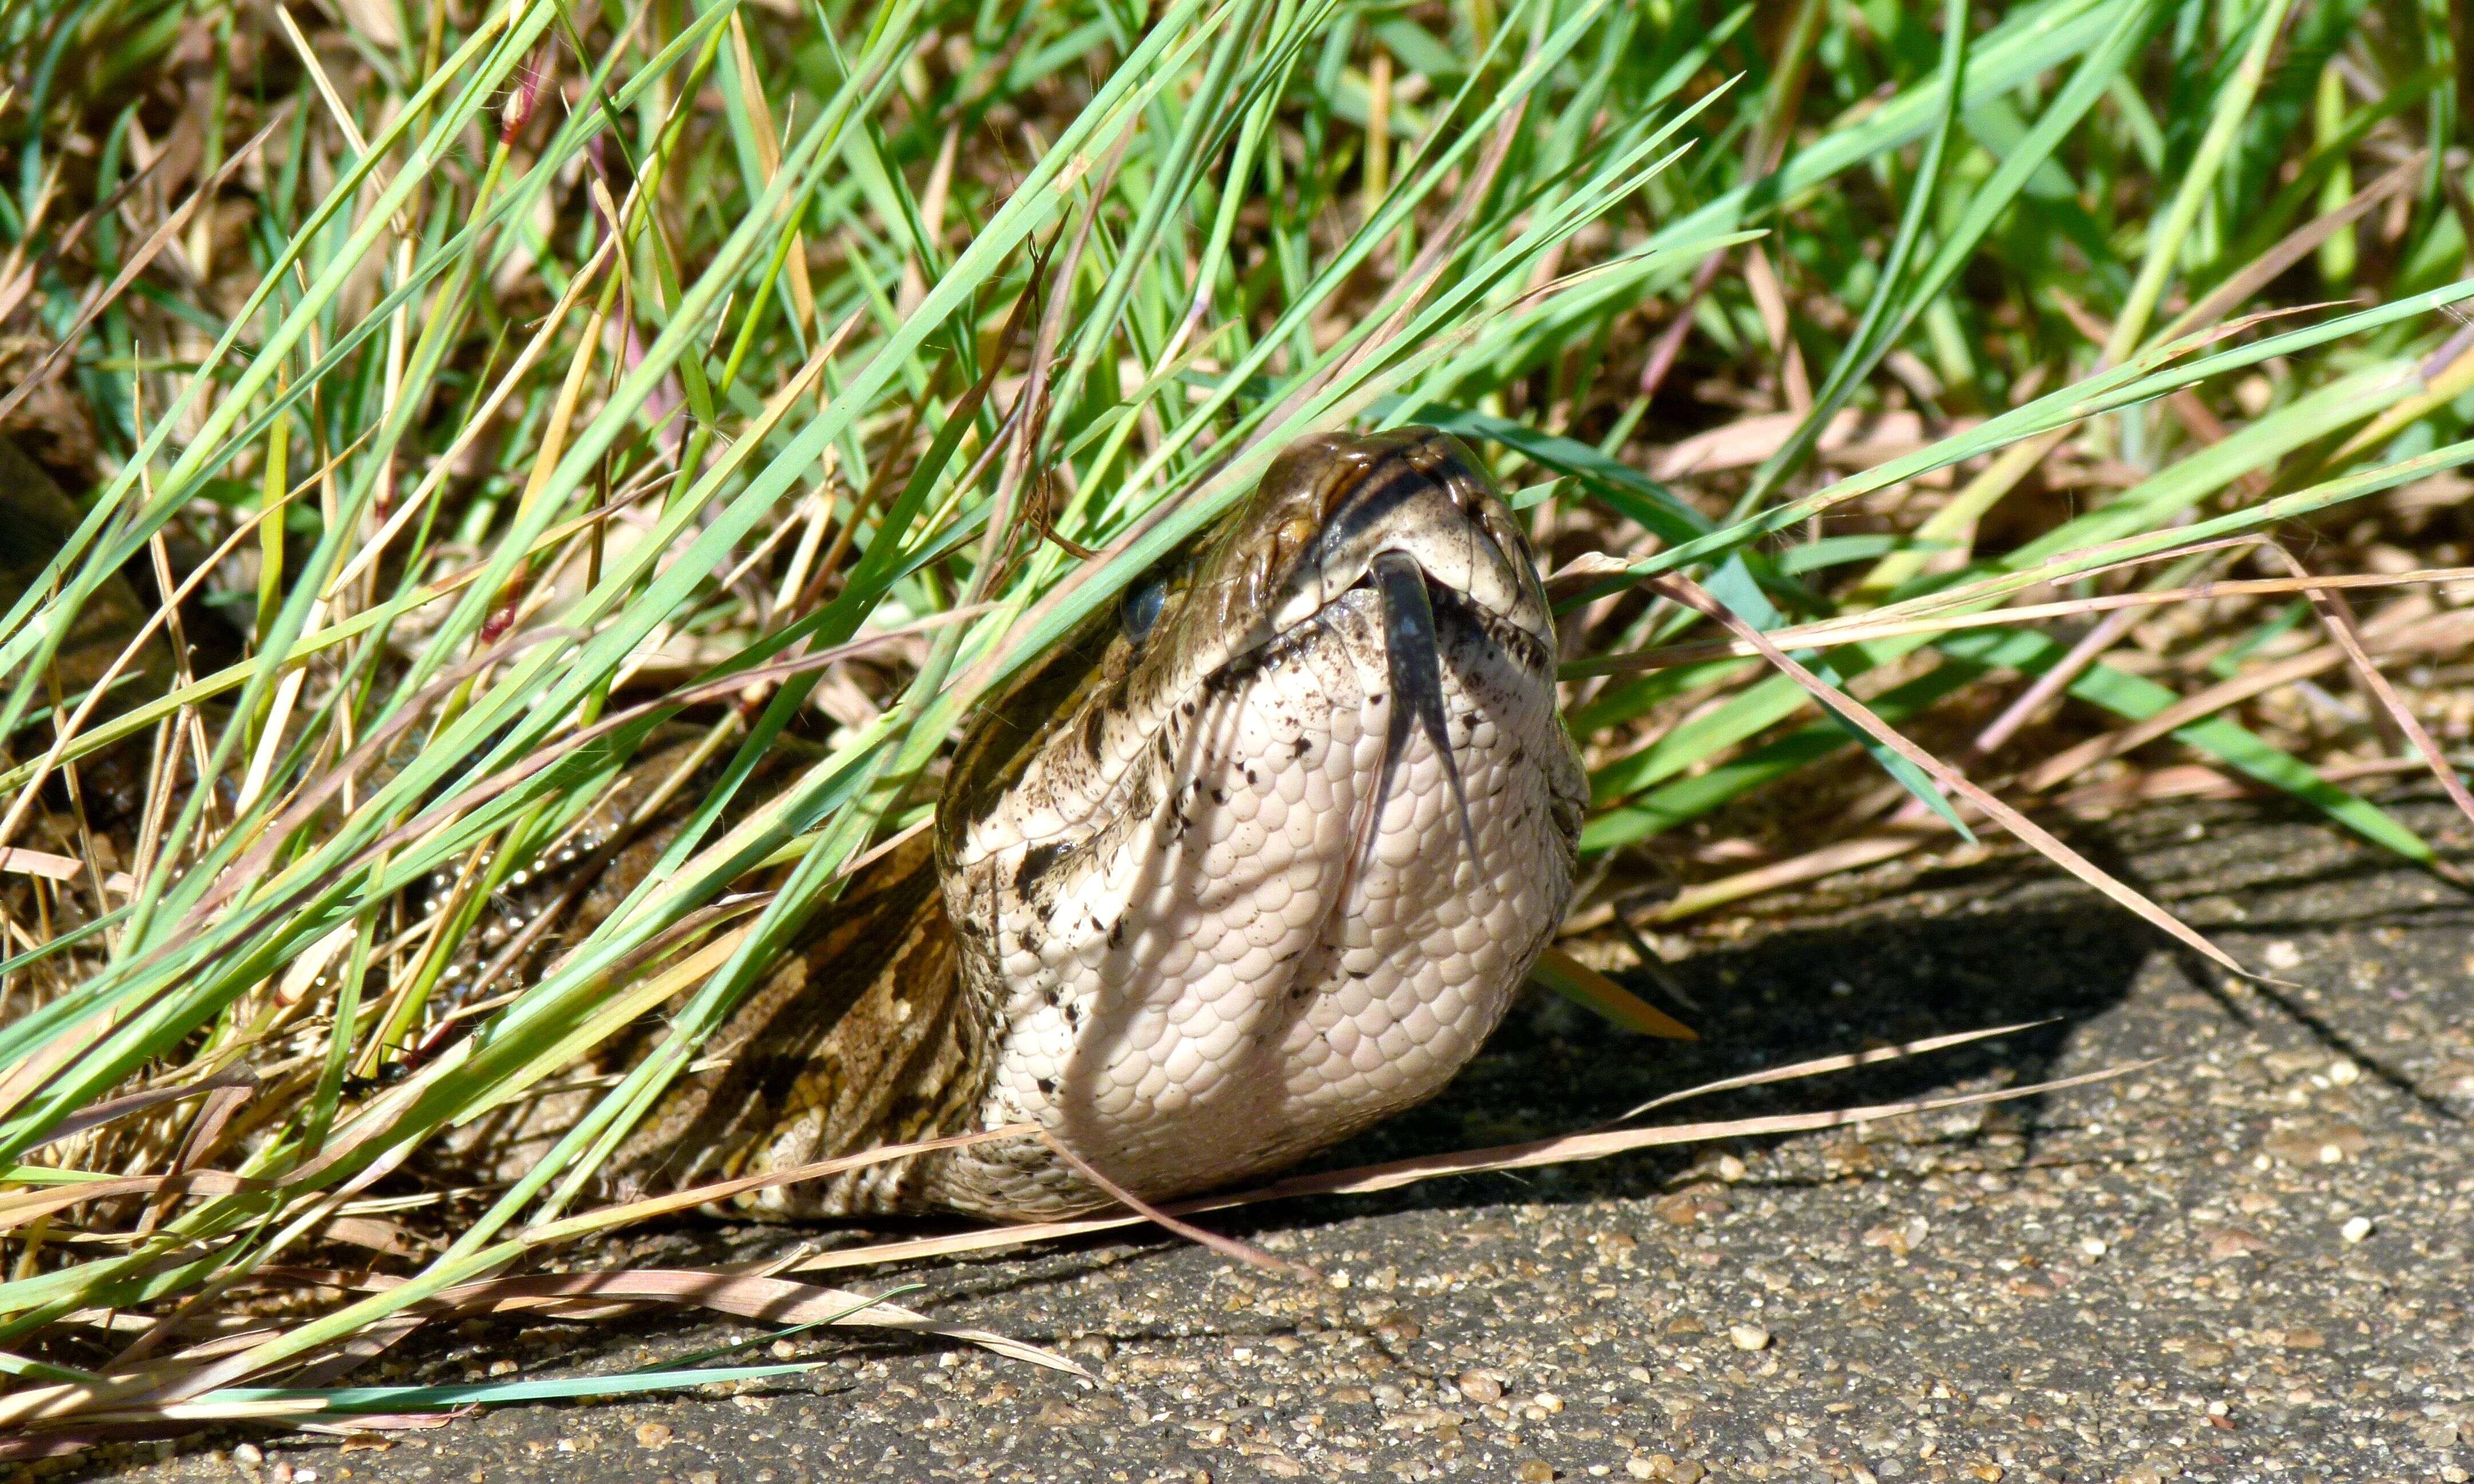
{"type": "Point", "coordinates": [2247, 1261]}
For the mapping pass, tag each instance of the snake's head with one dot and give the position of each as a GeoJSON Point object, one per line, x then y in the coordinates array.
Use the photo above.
{"type": "Point", "coordinates": [1327, 511]}
{"type": "Point", "coordinates": [1408, 514]}
{"type": "Point", "coordinates": [1402, 525]}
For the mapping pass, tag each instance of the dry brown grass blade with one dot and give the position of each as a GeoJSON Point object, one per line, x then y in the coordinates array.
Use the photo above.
{"type": "Point", "coordinates": [67, 733]}
{"type": "Point", "coordinates": [1833, 632]}
{"type": "Point", "coordinates": [35, 1071]}
{"type": "Point", "coordinates": [2047, 686]}
{"type": "Point", "coordinates": [1689, 594]}
{"type": "Point", "coordinates": [355, 1352]}
{"type": "Point", "coordinates": [104, 1113]}
{"type": "Point", "coordinates": [43, 1404]}
{"type": "Point", "coordinates": [2338, 617]}
{"type": "Point", "coordinates": [778, 1300]}
{"type": "Point", "coordinates": [1226, 1246]}
{"type": "Point", "coordinates": [2069, 763]}
{"type": "Point", "coordinates": [1852, 436]}
{"type": "Point", "coordinates": [1576, 1148]}
{"type": "Point", "coordinates": [17, 276]}
{"type": "Point", "coordinates": [25, 1206]}
{"type": "Point", "coordinates": [139, 261]}
{"type": "Point", "coordinates": [1365, 1180]}
{"type": "Point", "coordinates": [78, 1398]}
{"type": "Point", "coordinates": [763, 1297]}
{"type": "Point", "coordinates": [1025, 421]}
{"type": "Point", "coordinates": [764, 1300]}
{"type": "Point", "coordinates": [362, 1423]}
{"type": "Point", "coordinates": [1810, 865]}
{"type": "Point", "coordinates": [203, 1143]}
{"type": "Point", "coordinates": [627, 1215]}
{"type": "Point", "coordinates": [41, 863]}
{"type": "Point", "coordinates": [2296, 244]}
{"type": "Point", "coordinates": [1824, 1064]}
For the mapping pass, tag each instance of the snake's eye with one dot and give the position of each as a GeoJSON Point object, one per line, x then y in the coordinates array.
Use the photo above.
{"type": "Point", "coordinates": [1138, 607]}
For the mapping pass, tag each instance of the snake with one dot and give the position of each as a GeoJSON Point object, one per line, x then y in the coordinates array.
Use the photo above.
{"type": "Point", "coordinates": [1255, 858]}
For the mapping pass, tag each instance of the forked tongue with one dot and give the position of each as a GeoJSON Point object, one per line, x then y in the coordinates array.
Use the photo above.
{"type": "Point", "coordinates": [1417, 679]}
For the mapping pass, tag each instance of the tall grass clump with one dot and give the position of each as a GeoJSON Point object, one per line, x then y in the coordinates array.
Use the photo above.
{"type": "Point", "coordinates": [1937, 418]}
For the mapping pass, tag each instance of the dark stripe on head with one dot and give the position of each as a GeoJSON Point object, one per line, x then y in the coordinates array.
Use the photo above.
{"type": "Point", "coordinates": [1390, 484]}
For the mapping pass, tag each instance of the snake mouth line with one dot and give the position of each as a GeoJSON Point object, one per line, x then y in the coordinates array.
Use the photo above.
{"type": "Point", "coordinates": [1522, 646]}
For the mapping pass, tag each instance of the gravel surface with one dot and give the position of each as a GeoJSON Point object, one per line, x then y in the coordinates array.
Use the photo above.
{"type": "Point", "coordinates": [2247, 1261]}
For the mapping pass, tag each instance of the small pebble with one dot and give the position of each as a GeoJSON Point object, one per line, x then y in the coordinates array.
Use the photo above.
{"type": "Point", "coordinates": [1399, 1327]}
{"type": "Point", "coordinates": [652, 1434]}
{"type": "Point", "coordinates": [2343, 1073]}
{"type": "Point", "coordinates": [1640, 1468]}
{"type": "Point", "coordinates": [247, 1456]}
{"type": "Point", "coordinates": [2094, 1247]}
{"type": "Point", "coordinates": [2355, 1230]}
{"type": "Point", "coordinates": [1480, 1386]}
{"type": "Point", "coordinates": [1748, 1337]}
{"type": "Point", "coordinates": [2207, 1354]}
{"type": "Point", "coordinates": [1537, 1470]}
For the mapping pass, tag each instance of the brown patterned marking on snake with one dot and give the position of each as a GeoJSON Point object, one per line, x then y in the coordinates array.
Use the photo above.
{"type": "Point", "coordinates": [852, 1042]}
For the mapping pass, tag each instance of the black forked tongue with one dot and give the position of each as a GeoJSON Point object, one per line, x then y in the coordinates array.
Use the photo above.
{"type": "Point", "coordinates": [1416, 680]}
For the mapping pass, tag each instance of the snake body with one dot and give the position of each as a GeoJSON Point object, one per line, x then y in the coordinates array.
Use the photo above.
{"type": "Point", "coordinates": [1253, 863]}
